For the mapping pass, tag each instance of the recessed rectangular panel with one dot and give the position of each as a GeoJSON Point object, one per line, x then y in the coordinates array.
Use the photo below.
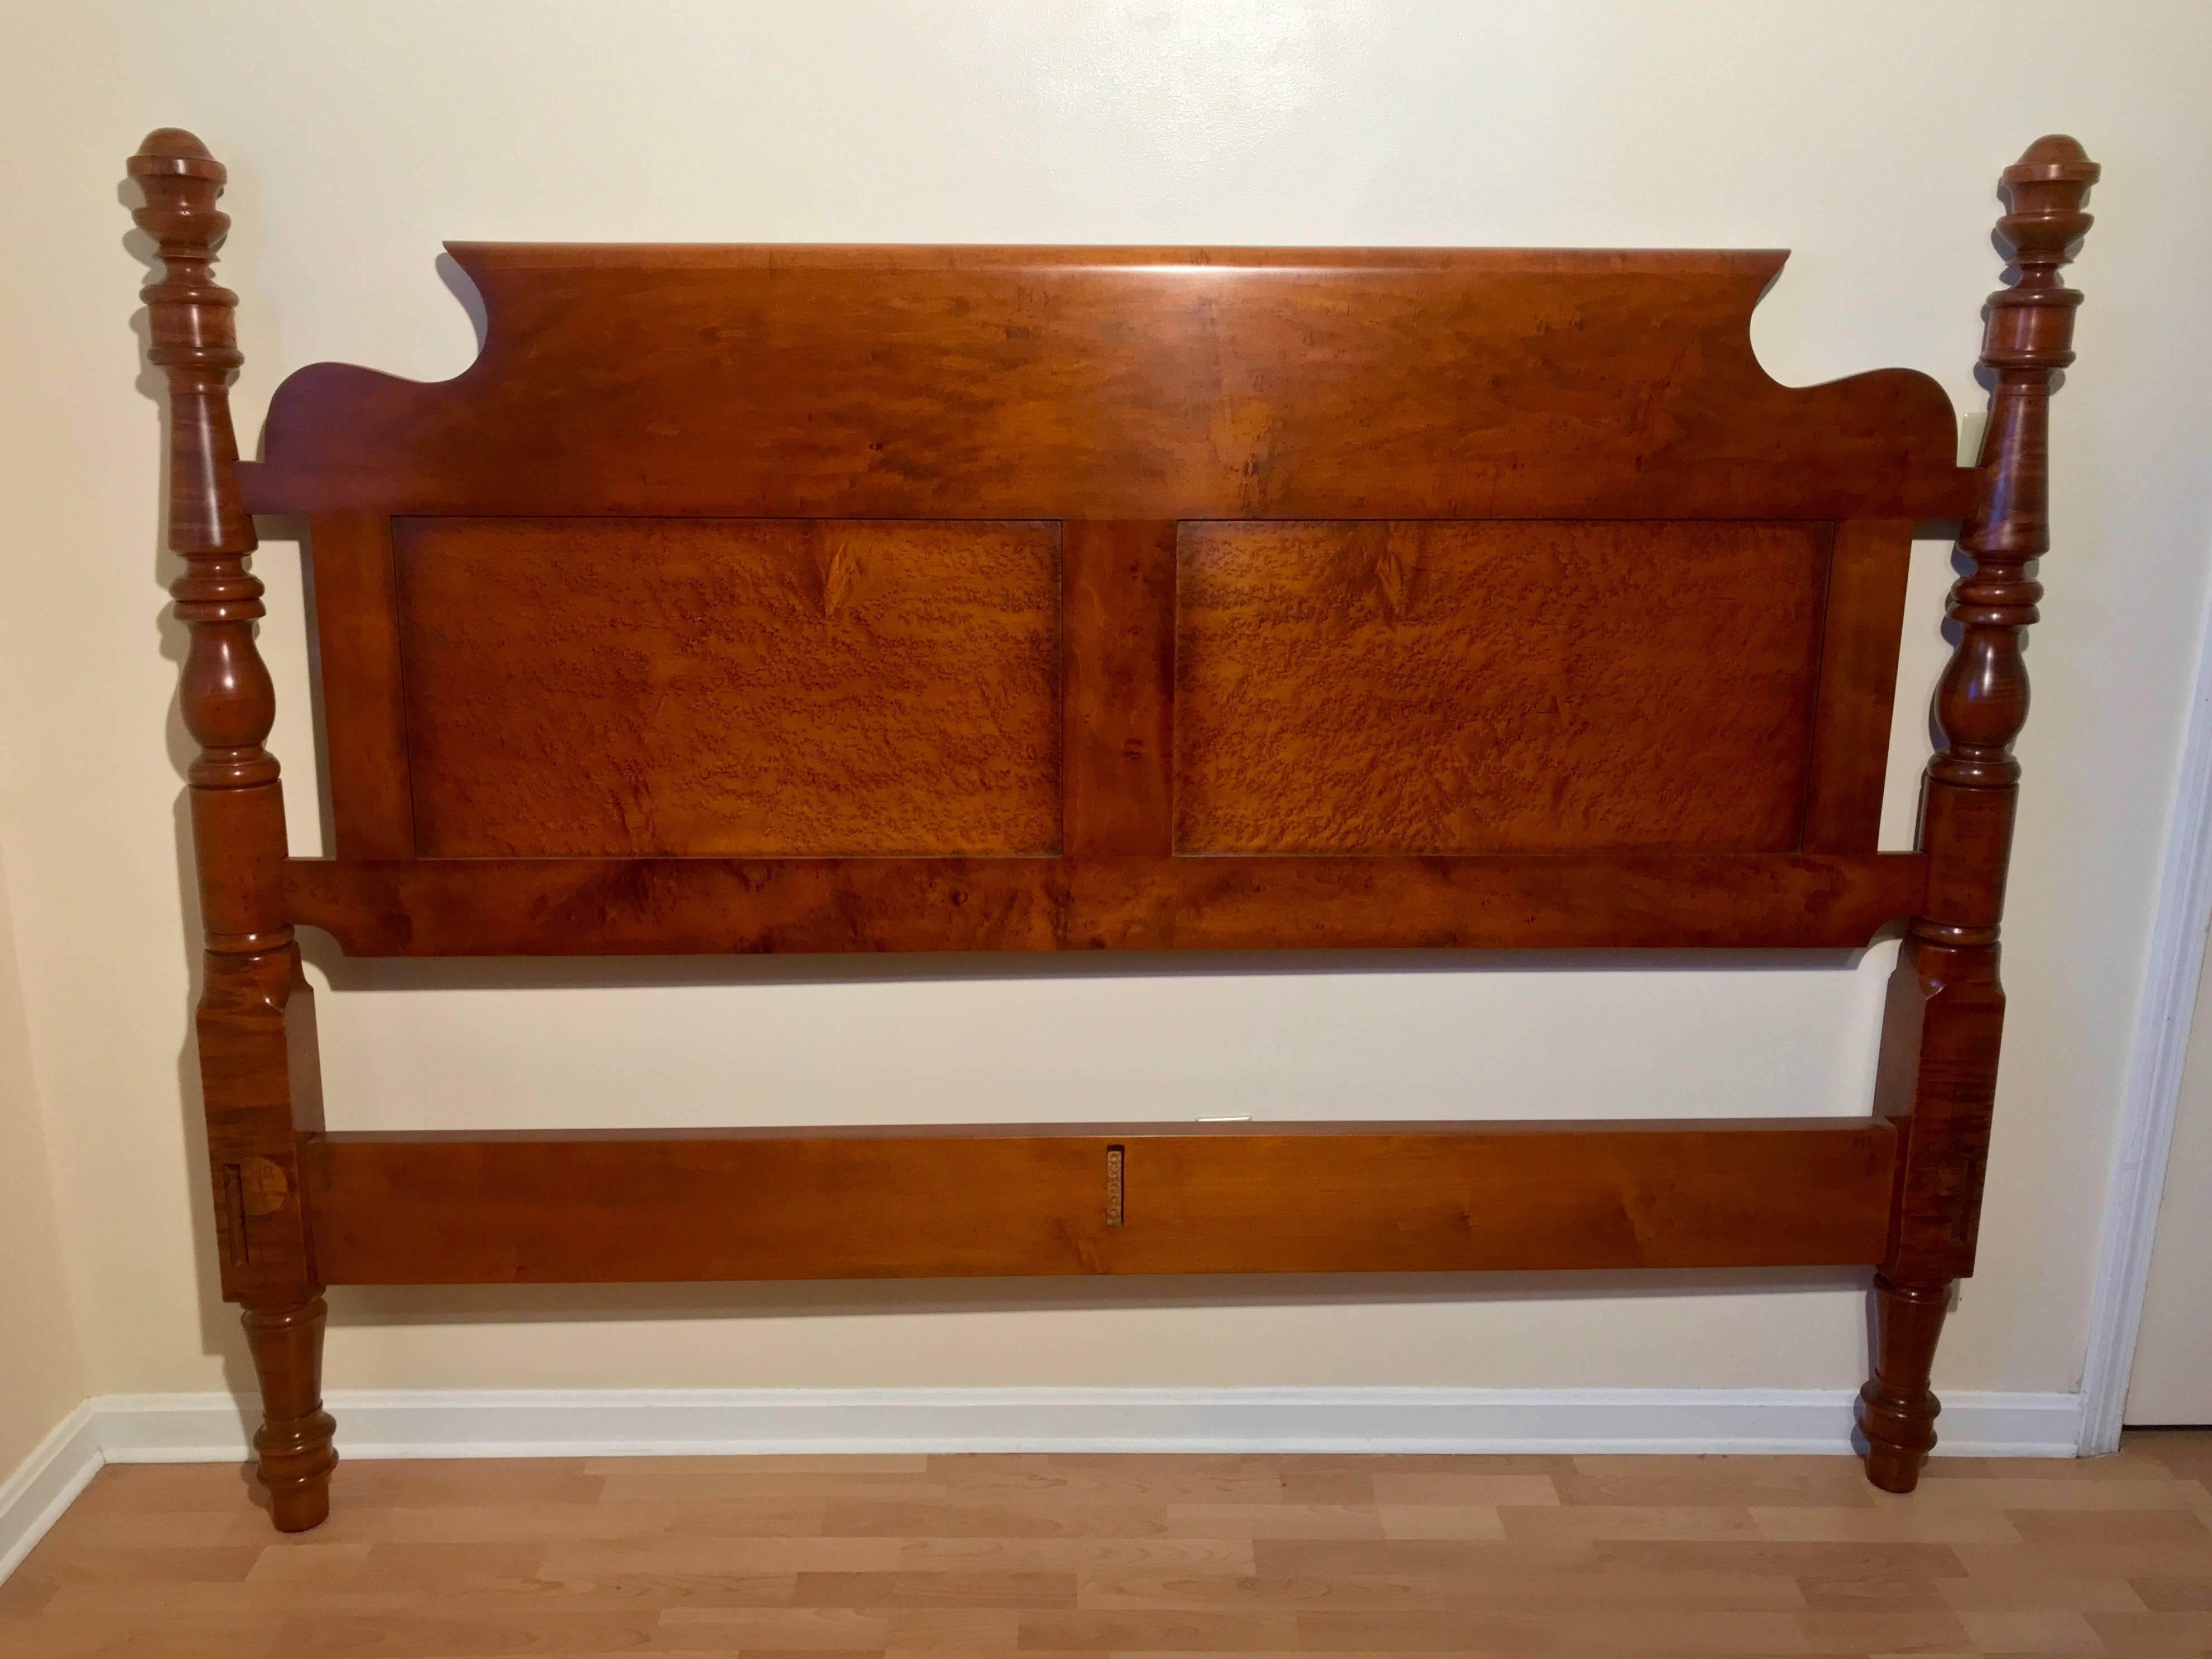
{"type": "Point", "coordinates": [765, 687]}
{"type": "Point", "coordinates": [1495, 687]}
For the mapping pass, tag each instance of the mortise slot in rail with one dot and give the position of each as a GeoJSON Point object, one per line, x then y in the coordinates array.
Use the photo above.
{"type": "Point", "coordinates": [1114, 1187]}
{"type": "Point", "coordinates": [233, 1215]}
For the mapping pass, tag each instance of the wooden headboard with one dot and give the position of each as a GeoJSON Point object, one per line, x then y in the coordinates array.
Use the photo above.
{"type": "Point", "coordinates": [851, 598]}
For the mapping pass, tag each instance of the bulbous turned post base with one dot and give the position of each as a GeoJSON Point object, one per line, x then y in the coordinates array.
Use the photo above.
{"type": "Point", "coordinates": [293, 1451]}
{"type": "Point", "coordinates": [1897, 1408]}
{"type": "Point", "coordinates": [1900, 1434]}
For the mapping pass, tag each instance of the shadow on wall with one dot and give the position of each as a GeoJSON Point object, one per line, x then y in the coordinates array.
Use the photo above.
{"type": "Point", "coordinates": [346, 973]}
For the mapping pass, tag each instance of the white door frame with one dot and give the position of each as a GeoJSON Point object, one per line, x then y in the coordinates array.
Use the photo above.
{"type": "Point", "coordinates": [2154, 1086]}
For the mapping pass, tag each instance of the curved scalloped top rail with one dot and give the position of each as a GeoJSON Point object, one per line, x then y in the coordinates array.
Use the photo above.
{"type": "Point", "coordinates": [1114, 383]}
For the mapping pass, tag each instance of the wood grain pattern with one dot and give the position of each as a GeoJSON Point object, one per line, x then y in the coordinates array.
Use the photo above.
{"type": "Point", "coordinates": [358, 661]}
{"type": "Point", "coordinates": [1113, 383]}
{"type": "Point", "coordinates": [1033, 1199]}
{"type": "Point", "coordinates": [1863, 629]}
{"type": "Point", "coordinates": [618, 906]}
{"type": "Point", "coordinates": [1495, 688]}
{"type": "Point", "coordinates": [1946, 1019]}
{"type": "Point", "coordinates": [1119, 657]}
{"type": "Point", "coordinates": [676, 686]}
{"type": "Point", "coordinates": [293, 1455]}
{"type": "Point", "coordinates": [1251, 1554]}
{"type": "Point", "coordinates": [1566, 627]}
{"type": "Point", "coordinates": [254, 1022]}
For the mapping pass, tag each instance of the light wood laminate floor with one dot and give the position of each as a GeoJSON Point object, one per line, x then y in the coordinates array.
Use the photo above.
{"type": "Point", "coordinates": [1137, 1555]}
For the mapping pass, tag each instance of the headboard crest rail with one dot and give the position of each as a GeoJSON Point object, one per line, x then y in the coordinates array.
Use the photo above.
{"type": "Point", "coordinates": [838, 598]}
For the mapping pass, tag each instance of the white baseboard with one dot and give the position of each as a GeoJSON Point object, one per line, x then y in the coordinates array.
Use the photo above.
{"type": "Point", "coordinates": [46, 1483]}
{"type": "Point", "coordinates": [194, 1428]}
{"type": "Point", "coordinates": [649, 1422]}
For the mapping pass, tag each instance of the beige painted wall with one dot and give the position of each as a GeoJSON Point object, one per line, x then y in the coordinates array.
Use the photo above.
{"type": "Point", "coordinates": [1867, 137]}
{"type": "Point", "coordinates": [42, 1373]}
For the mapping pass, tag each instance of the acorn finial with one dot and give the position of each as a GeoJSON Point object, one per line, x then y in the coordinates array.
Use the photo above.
{"type": "Point", "coordinates": [181, 181]}
{"type": "Point", "coordinates": [2046, 186]}
{"type": "Point", "coordinates": [174, 143]}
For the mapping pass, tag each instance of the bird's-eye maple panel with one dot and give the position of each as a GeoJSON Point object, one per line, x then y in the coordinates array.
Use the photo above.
{"type": "Point", "coordinates": [644, 686]}
{"type": "Point", "coordinates": [1496, 687]}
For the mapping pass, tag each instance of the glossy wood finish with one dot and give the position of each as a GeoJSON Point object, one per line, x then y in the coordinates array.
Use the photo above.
{"type": "Point", "coordinates": [1032, 1199]}
{"type": "Point", "coordinates": [1262, 1554]}
{"type": "Point", "coordinates": [1896, 1410]}
{"type": "Point", "coordinates": [255, 1022]}
{"type": "Point", "coordinates": [696, 687]}
{"type": "Point", "coordinates": [1113, 383]}
{"type": "Point", "coordinates": [364, 712]}
{"type": "Point", "coordinates": [891, 599]}
{"type": "Point", "coordinates": [1496, 687]}
{"type": "Point", "coordinates": [1946, 1016]}
{"type": "Point", "coordinates": [293, 1456]}
{"type": "Point", "coordinates": [1118, 651]}
{"type": "Point", "coordinates": [645, 907]}
{"type": "Point", "coordinates": [1861, 633]}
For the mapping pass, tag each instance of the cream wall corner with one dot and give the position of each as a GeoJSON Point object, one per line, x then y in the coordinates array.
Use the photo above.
{"type": "Point", "coordinates": [42, 1371]}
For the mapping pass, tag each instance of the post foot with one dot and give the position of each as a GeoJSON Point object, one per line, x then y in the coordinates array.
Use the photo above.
{"type": "Point", "coordinates": [1897, 1408]}
{"type": "Point", "coordinates": [293, 1451]}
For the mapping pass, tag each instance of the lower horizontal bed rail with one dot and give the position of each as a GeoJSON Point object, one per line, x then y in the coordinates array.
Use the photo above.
{"type": "Point", "coordinates": [1142, 1198]}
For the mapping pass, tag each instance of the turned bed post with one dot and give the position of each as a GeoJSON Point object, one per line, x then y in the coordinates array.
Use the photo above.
{"type": "Point", "coordinates": [257, 1066]}
{"type": "Point", "coordinates": [1946, 1011]}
